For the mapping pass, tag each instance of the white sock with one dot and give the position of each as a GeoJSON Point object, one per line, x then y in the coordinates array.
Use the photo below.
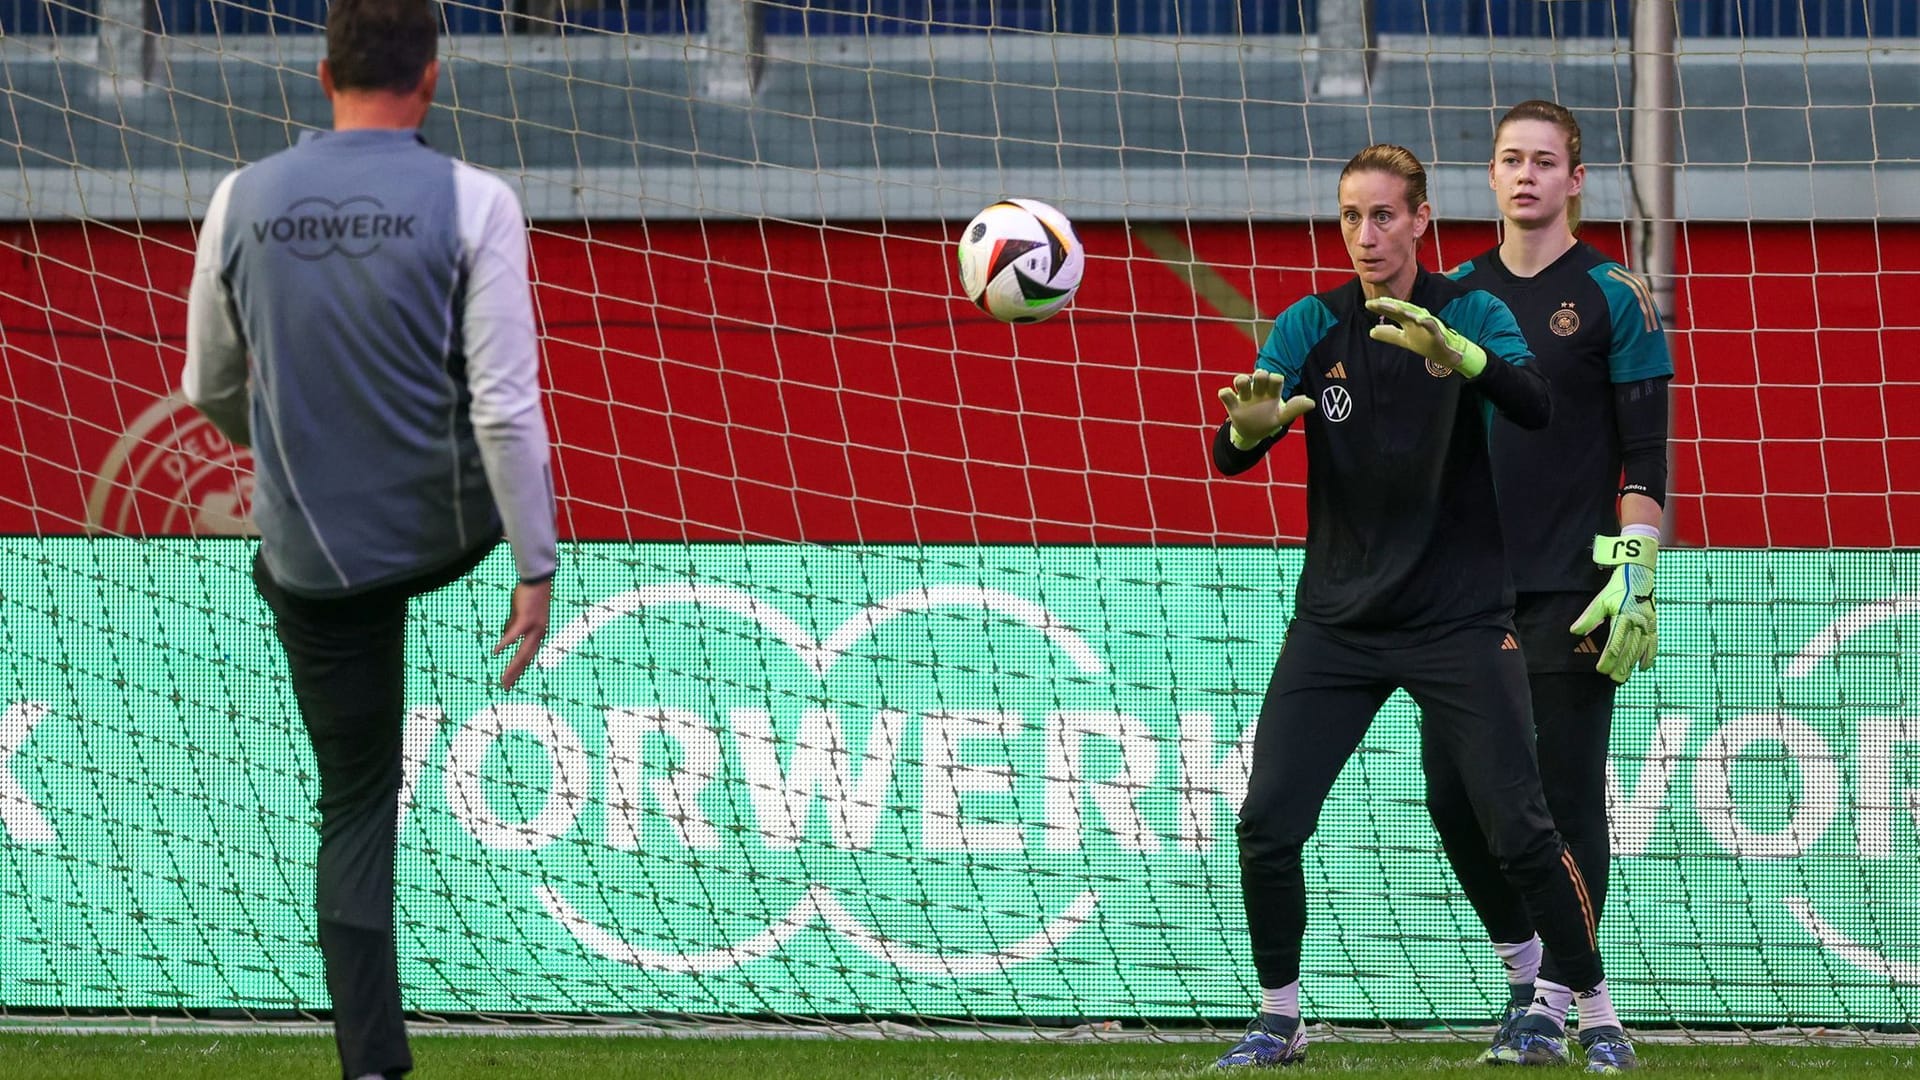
{"type": "Point", "coordinates": [1522, 959]}
{"type": "Point", "coordinates": [1559, 999]}
{"type": "Point", "coordinates": [1596, 1008]}
{"type": "Point", "coordinates": [1550, 1001]}
{"type": "Point", "coordinates": [1282, 1002]}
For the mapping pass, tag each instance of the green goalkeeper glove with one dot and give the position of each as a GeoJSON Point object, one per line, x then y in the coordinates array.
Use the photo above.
{"type": "Point", "coordinates": [1255, 409]}
{"type": "Point", "coordinates": [1416, 329]}
{"type": "Point", "coordinates": [1627, 599]}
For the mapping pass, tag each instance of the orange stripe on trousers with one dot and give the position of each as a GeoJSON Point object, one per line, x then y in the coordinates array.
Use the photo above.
{"type": "Point", "coordinates": [1586, 901]}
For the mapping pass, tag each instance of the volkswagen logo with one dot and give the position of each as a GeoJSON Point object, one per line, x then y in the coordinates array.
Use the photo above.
{"type": "Point", "coordinates": [1335, 403]}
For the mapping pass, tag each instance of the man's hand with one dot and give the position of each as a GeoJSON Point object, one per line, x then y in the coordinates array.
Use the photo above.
{"type": "Point", "coordinates": [1627, 599]}
{"type": "Point", "coordinates": [1416, 329]}
{"type": "Point", "coordinates": [526, 624]}
{"type": "Point", "coordinates": [1255, 410]}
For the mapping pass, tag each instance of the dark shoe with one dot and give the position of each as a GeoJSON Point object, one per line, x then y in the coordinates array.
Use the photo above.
{"type": "Point", "coordinates": [1535, 1040]}
{"type": "Point", "coordinates": [1503, 1036]}
{"type": "Point", "coordinates": [1608, 1051]}
{"type": "Point", "coordinates": [1271, 1042]}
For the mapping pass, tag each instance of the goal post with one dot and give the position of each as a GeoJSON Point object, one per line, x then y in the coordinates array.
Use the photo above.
{"type": "Point", "coordinates": [919, 684]}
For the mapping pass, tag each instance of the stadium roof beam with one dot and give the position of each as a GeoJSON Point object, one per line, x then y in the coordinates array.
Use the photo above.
{"type": "Point", "coordinates": [1652, 160]}
{"type": "Point", "coordinates": [736, 49]}
{"type": "Point", "coordinates": [1343, 63]}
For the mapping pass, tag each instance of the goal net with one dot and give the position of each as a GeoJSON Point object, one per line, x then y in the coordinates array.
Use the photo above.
{"type": "Point", "coordinates": [904, 663]}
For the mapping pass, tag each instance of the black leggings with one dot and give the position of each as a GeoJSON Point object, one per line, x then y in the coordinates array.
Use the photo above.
{"type": "Point", "coordinates": [1470, 683]}
{"type": "Point", "coordinates": [1573, 714]}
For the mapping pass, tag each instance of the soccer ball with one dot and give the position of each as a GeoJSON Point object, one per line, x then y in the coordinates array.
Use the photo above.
{"type": "Point", "coordinates": [1019, 260]}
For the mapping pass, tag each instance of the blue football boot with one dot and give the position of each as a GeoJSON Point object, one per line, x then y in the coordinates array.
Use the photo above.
{"type": "Point", "coordinates": [1270, 1042]}
{"type": "Point", "coordinates": [1535, 1040]}
{"type": "Point", "coordinates": [1503, 1035]}
{"type": "Point", "coordinates": [1608, 1051]}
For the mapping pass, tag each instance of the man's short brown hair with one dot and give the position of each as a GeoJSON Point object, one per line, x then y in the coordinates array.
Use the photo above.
{"type": "Point", "coordinates": [381, 44]}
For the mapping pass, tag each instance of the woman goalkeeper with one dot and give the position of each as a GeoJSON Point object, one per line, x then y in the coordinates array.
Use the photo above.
{"type": "Point", "coordinates": [1581, 513]}
{"type": "Point", "coordinates": [1405, 581]}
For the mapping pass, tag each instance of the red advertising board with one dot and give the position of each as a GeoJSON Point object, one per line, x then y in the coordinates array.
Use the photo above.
{"type": "Point", "coordinates": [776, 381]}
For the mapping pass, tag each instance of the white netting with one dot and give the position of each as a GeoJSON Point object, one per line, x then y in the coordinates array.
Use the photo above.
{"type": "Point", "coordinates": [909, 657]}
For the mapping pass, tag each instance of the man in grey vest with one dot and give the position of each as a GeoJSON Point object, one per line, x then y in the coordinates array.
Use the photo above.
{"type": "Point", "coordinates": [361, 317]}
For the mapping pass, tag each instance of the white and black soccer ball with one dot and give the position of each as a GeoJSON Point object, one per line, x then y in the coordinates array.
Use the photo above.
{"type": "Point", "coordinates": [1020, 261]}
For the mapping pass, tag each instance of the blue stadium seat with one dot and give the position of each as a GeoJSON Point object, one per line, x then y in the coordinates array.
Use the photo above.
{"type": "Point", "coordinates": [1499, 18]}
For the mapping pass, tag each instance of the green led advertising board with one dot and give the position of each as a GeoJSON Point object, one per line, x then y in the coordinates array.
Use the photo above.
{"type": "Point", "coordinates": [936, 781]}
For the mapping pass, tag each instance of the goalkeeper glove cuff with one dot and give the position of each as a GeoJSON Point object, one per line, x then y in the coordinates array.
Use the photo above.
{"type": "Point", "coordinates": [1638, 545]}
{"type": "Point", "coordinates": [1473, 358]}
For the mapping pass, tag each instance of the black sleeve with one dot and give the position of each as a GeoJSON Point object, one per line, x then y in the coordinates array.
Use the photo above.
{"type": "Point", "coordinates": [1519, 391]}
{"type": "Point", "coordinates": [1230, 459]}
{"type": "Point", "coordinates": [1640, 416]}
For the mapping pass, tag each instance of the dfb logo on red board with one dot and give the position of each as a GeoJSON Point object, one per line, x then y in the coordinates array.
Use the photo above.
{"type": "Point", "coordinates": [171, 473]}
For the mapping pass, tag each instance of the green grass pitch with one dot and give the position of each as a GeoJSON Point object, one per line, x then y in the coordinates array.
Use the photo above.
{"type": "Point", "coordinates": [454, 1057]}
